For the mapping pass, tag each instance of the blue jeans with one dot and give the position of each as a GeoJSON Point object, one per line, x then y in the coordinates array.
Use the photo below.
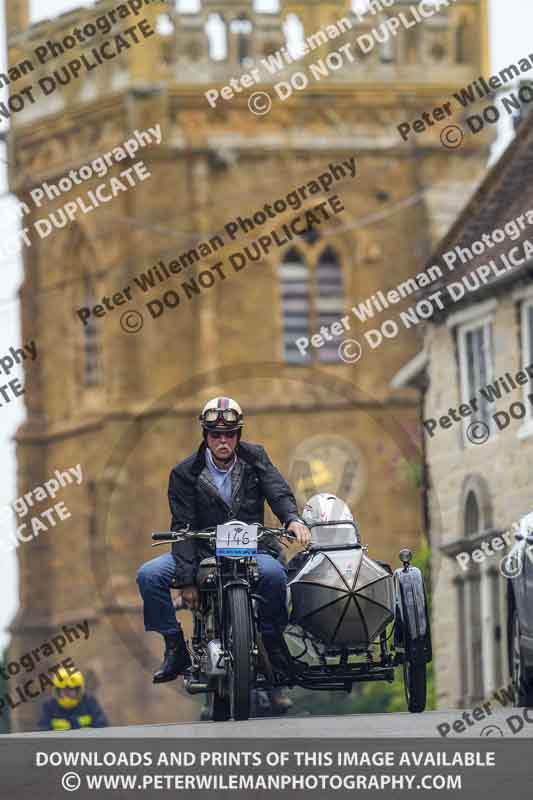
{"type": "Point", "coordinates": [154, 579]}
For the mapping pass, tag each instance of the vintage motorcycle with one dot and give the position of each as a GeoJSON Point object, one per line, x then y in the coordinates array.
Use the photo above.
{"type": "Point", "coordinates": [341, 605]}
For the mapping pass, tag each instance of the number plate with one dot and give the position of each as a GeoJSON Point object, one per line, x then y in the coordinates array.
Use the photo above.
{"type": "Point", "coordinates": [236, 540]}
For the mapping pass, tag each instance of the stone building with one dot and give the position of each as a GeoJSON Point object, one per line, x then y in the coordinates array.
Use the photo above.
{"type": "Point", "coordinates": [479, 422]}
{"type": "Point", "coordinates": [122, 402]}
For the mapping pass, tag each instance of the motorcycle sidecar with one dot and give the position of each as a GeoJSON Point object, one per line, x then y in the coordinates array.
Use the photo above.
{"type": "Point", "coordinates": [341, 604]}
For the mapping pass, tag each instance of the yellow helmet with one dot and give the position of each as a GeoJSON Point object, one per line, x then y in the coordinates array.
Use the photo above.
{"type": "Point", "coordinates": [69, 688]}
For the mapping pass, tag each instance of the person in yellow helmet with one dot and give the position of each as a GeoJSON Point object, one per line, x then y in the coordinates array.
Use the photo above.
{"type": "Point", "coordinates": [71, 707]}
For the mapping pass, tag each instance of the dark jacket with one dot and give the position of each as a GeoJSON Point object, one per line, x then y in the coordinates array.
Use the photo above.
{"type": "Point", "coordinates": [194, 500]}
{"type": "Point", "coordinates": [87, 714]}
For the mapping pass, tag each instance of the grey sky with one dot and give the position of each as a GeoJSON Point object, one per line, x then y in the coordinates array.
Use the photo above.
{"type": "Point", "coordinates": [511, 23]}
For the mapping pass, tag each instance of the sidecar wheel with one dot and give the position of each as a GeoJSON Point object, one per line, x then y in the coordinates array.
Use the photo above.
{"type": "Point", "coordinates": [415, 681]}
{"type": "Point", "coordinates": [240, 647]}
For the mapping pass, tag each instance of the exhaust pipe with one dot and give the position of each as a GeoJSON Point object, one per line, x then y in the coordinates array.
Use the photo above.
{"type": "Point", "coordinates": [194, 687]}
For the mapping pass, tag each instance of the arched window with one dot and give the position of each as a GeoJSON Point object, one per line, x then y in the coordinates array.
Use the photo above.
{"type": "Point", "coordinates": [481, 601]}
{"type": "Point", "coordinates": [460, 43]}
{"type": "Point", "coordinates": [164, 25]}
{"type": "Point", "coordinates": [312, 298]}
{"type": "Point", "coordinates": [329, 302]}
{"type": "Point", "coordinates": [38, 10]}
{"type": "Point", "coordinates": [217, 35]}
{"type": "Point", "coordinates": [311, 235]}
{"type": "Point", "coordinates": [387, 51]}
{"type": "Point", "coordinates": [241, 27]}
{"type": "Point", "coordinates": [188, 6]}
{"type": "Point", "coordinates": [471, 612]}
{"type": "Point", "coordinates": [360, 6]}
{"type": "Point", "coordinates": [472, 515]}
{"type": "Point", "coordinates": [294, 35]}
{"type": "Point", "coordinates": [295, 305]}
{"type": "Point", "coordinates": [266, 6]}
{"type": "Point", "coordinates": [91, 339]}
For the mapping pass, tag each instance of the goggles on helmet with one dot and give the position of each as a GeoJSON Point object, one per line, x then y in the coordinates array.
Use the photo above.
{"type": "Point", "coordinates": [227, 416]}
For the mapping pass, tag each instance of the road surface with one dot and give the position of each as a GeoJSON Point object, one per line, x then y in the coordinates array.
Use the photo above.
{"type": "Point", "coordinates": [504, 722]}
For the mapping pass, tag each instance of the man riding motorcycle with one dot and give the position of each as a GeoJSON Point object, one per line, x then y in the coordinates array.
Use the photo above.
{"type": "Point", "coordinates": [225, 479]}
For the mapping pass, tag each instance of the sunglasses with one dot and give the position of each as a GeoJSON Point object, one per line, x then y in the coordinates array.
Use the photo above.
{"type": "Point", "coordinates": [226, 434]}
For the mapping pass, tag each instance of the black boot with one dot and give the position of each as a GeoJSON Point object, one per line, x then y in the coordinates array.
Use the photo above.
{"type": "Point", "coordinates": [278, 653]}
{"type": "Point", "coordinates": [176, 659]}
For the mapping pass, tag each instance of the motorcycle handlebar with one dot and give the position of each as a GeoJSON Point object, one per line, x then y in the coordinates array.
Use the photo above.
{"type": "Point", "coordinates": [176, 536]}
{"type": "Point", "coordinates": [162, 537]}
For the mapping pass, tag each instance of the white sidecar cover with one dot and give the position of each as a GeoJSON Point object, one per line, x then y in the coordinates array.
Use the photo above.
{"type": "Point", "coordinates": [342, 597]}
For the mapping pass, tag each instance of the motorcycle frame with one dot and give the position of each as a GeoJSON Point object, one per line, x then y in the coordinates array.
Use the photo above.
{"type": "Point", "coordinates": [230, 571]}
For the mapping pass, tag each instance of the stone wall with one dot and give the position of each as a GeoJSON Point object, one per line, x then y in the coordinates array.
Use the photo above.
{"type": "Point", "coordinates": [503, 463]}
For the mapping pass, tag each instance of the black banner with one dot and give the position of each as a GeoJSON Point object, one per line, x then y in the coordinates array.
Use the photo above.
{"type": "Point", "coordinates": [52, 767]}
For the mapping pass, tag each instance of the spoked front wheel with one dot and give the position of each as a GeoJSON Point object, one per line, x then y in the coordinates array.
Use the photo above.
{"type": "Point", "coordinates": [415, 681]}
{"type": "Point", "coordinates": [239, 645]}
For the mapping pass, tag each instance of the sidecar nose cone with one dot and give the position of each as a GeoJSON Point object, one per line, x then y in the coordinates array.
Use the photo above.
{"type": "Point", "coordinates": [342, 597]}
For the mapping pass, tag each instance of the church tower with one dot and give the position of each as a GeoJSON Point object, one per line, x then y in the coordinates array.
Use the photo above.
{"type": "Point", "coordinates": [118, 392]}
